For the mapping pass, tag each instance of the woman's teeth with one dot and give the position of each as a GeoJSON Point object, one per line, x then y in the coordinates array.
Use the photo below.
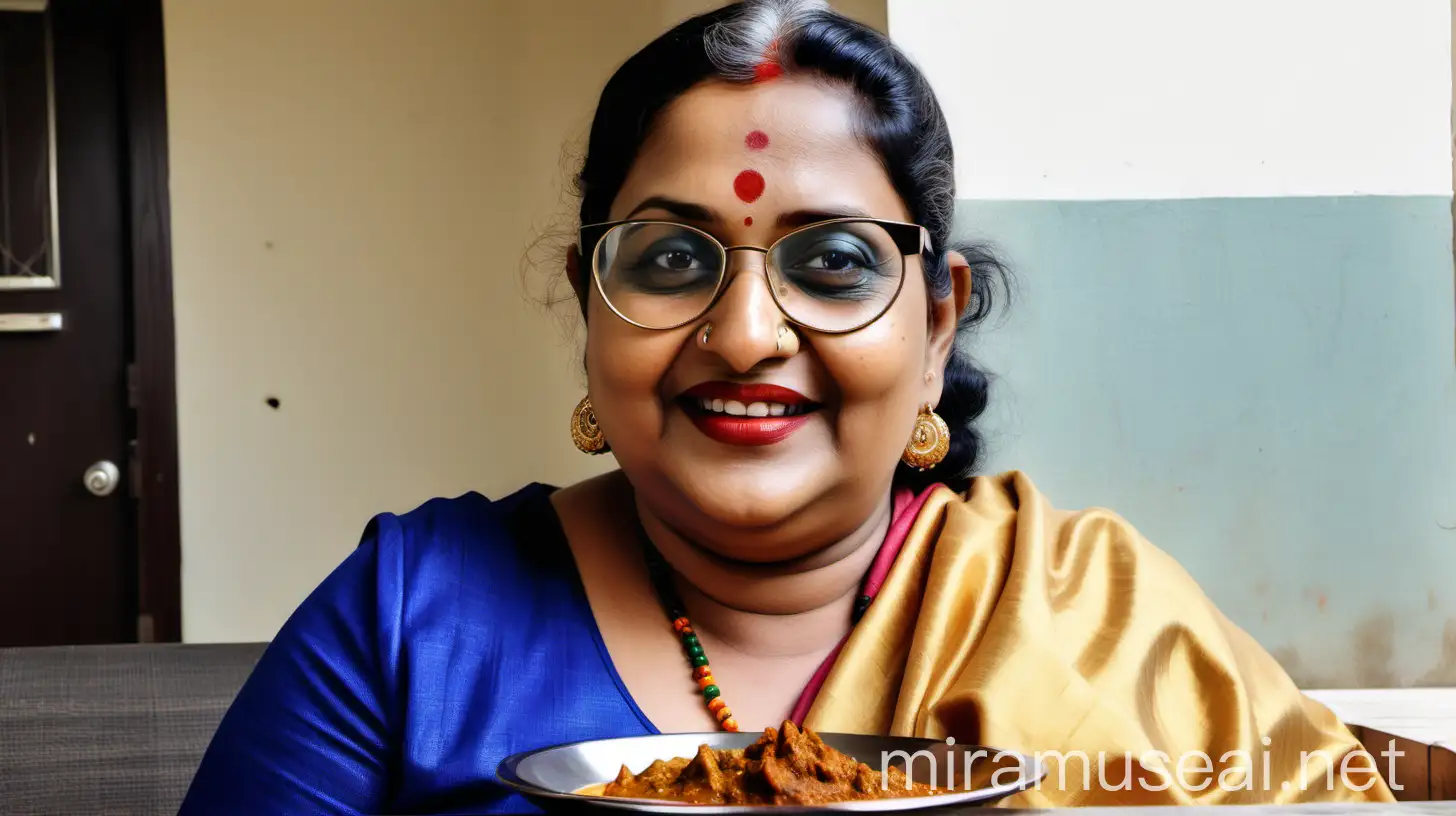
{"type": "Point", "coordinates": [752, 409]}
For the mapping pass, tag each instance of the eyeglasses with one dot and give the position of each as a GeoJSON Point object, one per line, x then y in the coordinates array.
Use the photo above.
{"type": "Point", "coordinates": [834, 276]}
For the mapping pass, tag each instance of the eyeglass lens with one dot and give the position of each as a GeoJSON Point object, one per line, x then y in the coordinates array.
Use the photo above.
{"type": "Point", "coordinates": [831, 277]}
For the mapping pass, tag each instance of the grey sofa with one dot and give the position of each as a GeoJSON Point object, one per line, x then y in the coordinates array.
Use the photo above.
{"type": "Point", "coordinates": [111, 729]}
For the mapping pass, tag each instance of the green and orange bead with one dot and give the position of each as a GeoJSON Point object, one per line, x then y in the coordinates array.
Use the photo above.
{"type": "Point", "coordinates": [722, 713]}
{"type": "Point", "coordinates": [702, 674]}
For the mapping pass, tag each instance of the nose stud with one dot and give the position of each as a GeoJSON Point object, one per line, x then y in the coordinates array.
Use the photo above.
{"type": "Point", "coordinates": [782, 337]}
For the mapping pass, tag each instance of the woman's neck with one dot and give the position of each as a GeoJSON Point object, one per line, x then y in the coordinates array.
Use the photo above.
{"type": "Point", "coordinates": [784, 609]}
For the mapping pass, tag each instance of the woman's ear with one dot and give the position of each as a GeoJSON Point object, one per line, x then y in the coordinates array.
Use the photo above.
{"type": "Point", "coordinates": [961, 281]}
{"type": "Point", "coordinates": [945, 313]}
{"type": "Point", "coordinates": [577, 278]}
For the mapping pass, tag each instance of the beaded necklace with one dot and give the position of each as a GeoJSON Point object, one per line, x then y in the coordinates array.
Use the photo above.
{"type": "Point", "coordinates": [906, 507]}
{"type": "Point", "coordinates": [661, 574]}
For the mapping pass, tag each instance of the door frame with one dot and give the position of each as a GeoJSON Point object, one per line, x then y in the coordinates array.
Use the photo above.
{"type": "Point", "coordinates": [152, 377]}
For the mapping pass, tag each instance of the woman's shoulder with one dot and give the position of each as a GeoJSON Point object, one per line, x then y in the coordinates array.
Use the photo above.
{"type": "Point", "coordinates": [1083, 552]}
{"type": "Point", "coordinates": [1016, 492]}
{"type": "Point", "coordinates": [447, 515]}
{"type": "Point", "coordinates": [1065, 531]}
{"type": "Point", "coordinates": [517, 530]}
{"type": "Point", "coordinates": [469, 557]}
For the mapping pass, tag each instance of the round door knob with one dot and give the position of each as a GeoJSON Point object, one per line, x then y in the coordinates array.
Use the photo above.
{"type": "Point", "coordinates": [102, 478]}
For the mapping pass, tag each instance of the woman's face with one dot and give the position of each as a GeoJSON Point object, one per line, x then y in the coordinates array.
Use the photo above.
{"type": "Point", "coordinates": [753, 496]}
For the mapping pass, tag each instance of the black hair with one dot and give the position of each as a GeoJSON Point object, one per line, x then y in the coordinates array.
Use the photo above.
{"type": "Point", "coordinates": [901, 120]}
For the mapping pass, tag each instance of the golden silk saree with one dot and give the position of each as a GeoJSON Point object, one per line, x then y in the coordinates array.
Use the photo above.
{"type": "Point", "coordinates": [1007, 623]}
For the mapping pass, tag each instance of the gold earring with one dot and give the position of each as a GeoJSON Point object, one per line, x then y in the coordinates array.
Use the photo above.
{"type": "Point", "coordinates": [929, 441]}
{"type": "Point", "coordinates": [585, 432]}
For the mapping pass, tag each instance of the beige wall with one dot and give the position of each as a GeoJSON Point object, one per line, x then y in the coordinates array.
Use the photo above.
{"type": "Point", "coordinates": [354, 183]}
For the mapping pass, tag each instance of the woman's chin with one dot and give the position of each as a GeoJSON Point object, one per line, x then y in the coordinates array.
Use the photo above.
{"type": "Point", "coordinates": [747, 497]}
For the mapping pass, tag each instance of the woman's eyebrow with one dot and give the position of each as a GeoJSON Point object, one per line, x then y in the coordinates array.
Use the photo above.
{"type": "Point", "coordinates": [801, 218]}
{"type": "Point", "coordinates": [679, 209]}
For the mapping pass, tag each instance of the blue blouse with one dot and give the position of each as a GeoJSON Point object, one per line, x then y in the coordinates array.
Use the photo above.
{"type": "Point", "coordinates": [453, 636]}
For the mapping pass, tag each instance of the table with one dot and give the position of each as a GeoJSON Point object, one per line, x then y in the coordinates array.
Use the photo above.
{"type": "Point", "coordinates": [1419, 722]}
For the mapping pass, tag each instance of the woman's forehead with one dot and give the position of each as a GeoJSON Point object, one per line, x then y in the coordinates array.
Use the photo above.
{"type": "Point", "coordinates": [778, 145]}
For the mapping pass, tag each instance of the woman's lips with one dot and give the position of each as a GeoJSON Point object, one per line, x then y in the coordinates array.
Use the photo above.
{"type": "Point", "coordinates": [748, 414]}
{"type": "Point", "coordinates": [748, 431]}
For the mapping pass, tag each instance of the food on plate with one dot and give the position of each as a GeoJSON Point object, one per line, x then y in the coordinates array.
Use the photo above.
{"type": "Point", "coordinates": [788, 766]}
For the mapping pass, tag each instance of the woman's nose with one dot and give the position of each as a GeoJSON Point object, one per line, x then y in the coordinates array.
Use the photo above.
{"type": "Point", "coordinates": [745, 319]}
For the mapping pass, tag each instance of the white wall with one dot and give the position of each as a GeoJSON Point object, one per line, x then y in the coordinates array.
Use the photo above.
{"type": "Point", "coordinates": [1146, 99]}
{"type": "Point", "coordinates": [354, 187]}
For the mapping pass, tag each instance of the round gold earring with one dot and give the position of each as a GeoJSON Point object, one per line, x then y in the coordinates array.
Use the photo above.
{"type": "Point", "coordinates": [585, 432]}
{"type": "Point", "coordinates": [929, 441]}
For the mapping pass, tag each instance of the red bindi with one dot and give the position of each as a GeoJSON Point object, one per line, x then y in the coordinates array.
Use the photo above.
{"type": "Point", "coordinates": [749, 185]}
{"type": "Point", "coordinates": [748, 222]}
{"type": "Point", "coordinates": [757, 140]}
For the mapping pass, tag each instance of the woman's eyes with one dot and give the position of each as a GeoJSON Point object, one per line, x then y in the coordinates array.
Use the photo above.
{"type": "Point", "coordinates": [679, 260]}
{"type": "Point", "coordinates": [834, 260]}
{"type": "Point", "coordinates": [669, 265]}
{"type": "Point", "coordinates": [830, 259]}
{"type": "Point", "coordinates": [837, 264]}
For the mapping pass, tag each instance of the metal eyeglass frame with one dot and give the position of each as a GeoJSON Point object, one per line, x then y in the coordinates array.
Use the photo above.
{"type": "Point", "coordinates": [910, 239]}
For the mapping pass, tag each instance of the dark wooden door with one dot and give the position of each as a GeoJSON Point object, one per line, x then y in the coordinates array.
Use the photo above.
{"type": "Point", "coordinates": [68, 556]}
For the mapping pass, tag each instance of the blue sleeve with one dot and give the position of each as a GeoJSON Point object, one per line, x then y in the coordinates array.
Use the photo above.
{"type": "Point", "coordinates": [310, 731]}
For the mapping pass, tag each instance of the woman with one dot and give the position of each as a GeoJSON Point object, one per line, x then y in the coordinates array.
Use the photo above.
{"type": "Point", "coordinates": [766, 269]}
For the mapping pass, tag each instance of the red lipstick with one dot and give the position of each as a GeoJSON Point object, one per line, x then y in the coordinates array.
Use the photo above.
{"type": "Point", "coordinates": [746, 430]}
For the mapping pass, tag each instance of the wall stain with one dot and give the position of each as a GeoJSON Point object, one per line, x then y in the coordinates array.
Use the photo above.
{"type": "Point", "coordinates": [1289, 659]}
{"type": "Point", "coordinates": [1431, 600]}
{"type": "Point", "coordinates": [1367, 660]}
{"type": "Point", "coordinates": [1444, 672]}
{"type": "Point", "coordinates": [1374, 649]}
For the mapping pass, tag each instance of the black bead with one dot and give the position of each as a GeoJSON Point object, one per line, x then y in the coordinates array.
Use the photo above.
{"type": "Point", "coordinates": [861, 605]}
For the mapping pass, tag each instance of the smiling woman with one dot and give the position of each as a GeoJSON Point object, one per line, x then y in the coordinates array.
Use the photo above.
{"type": "Point", "coordinates": [777, 317]}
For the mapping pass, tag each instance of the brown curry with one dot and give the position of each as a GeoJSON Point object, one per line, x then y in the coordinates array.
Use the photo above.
{"type": "Point", "coordinates": [785, 767]}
